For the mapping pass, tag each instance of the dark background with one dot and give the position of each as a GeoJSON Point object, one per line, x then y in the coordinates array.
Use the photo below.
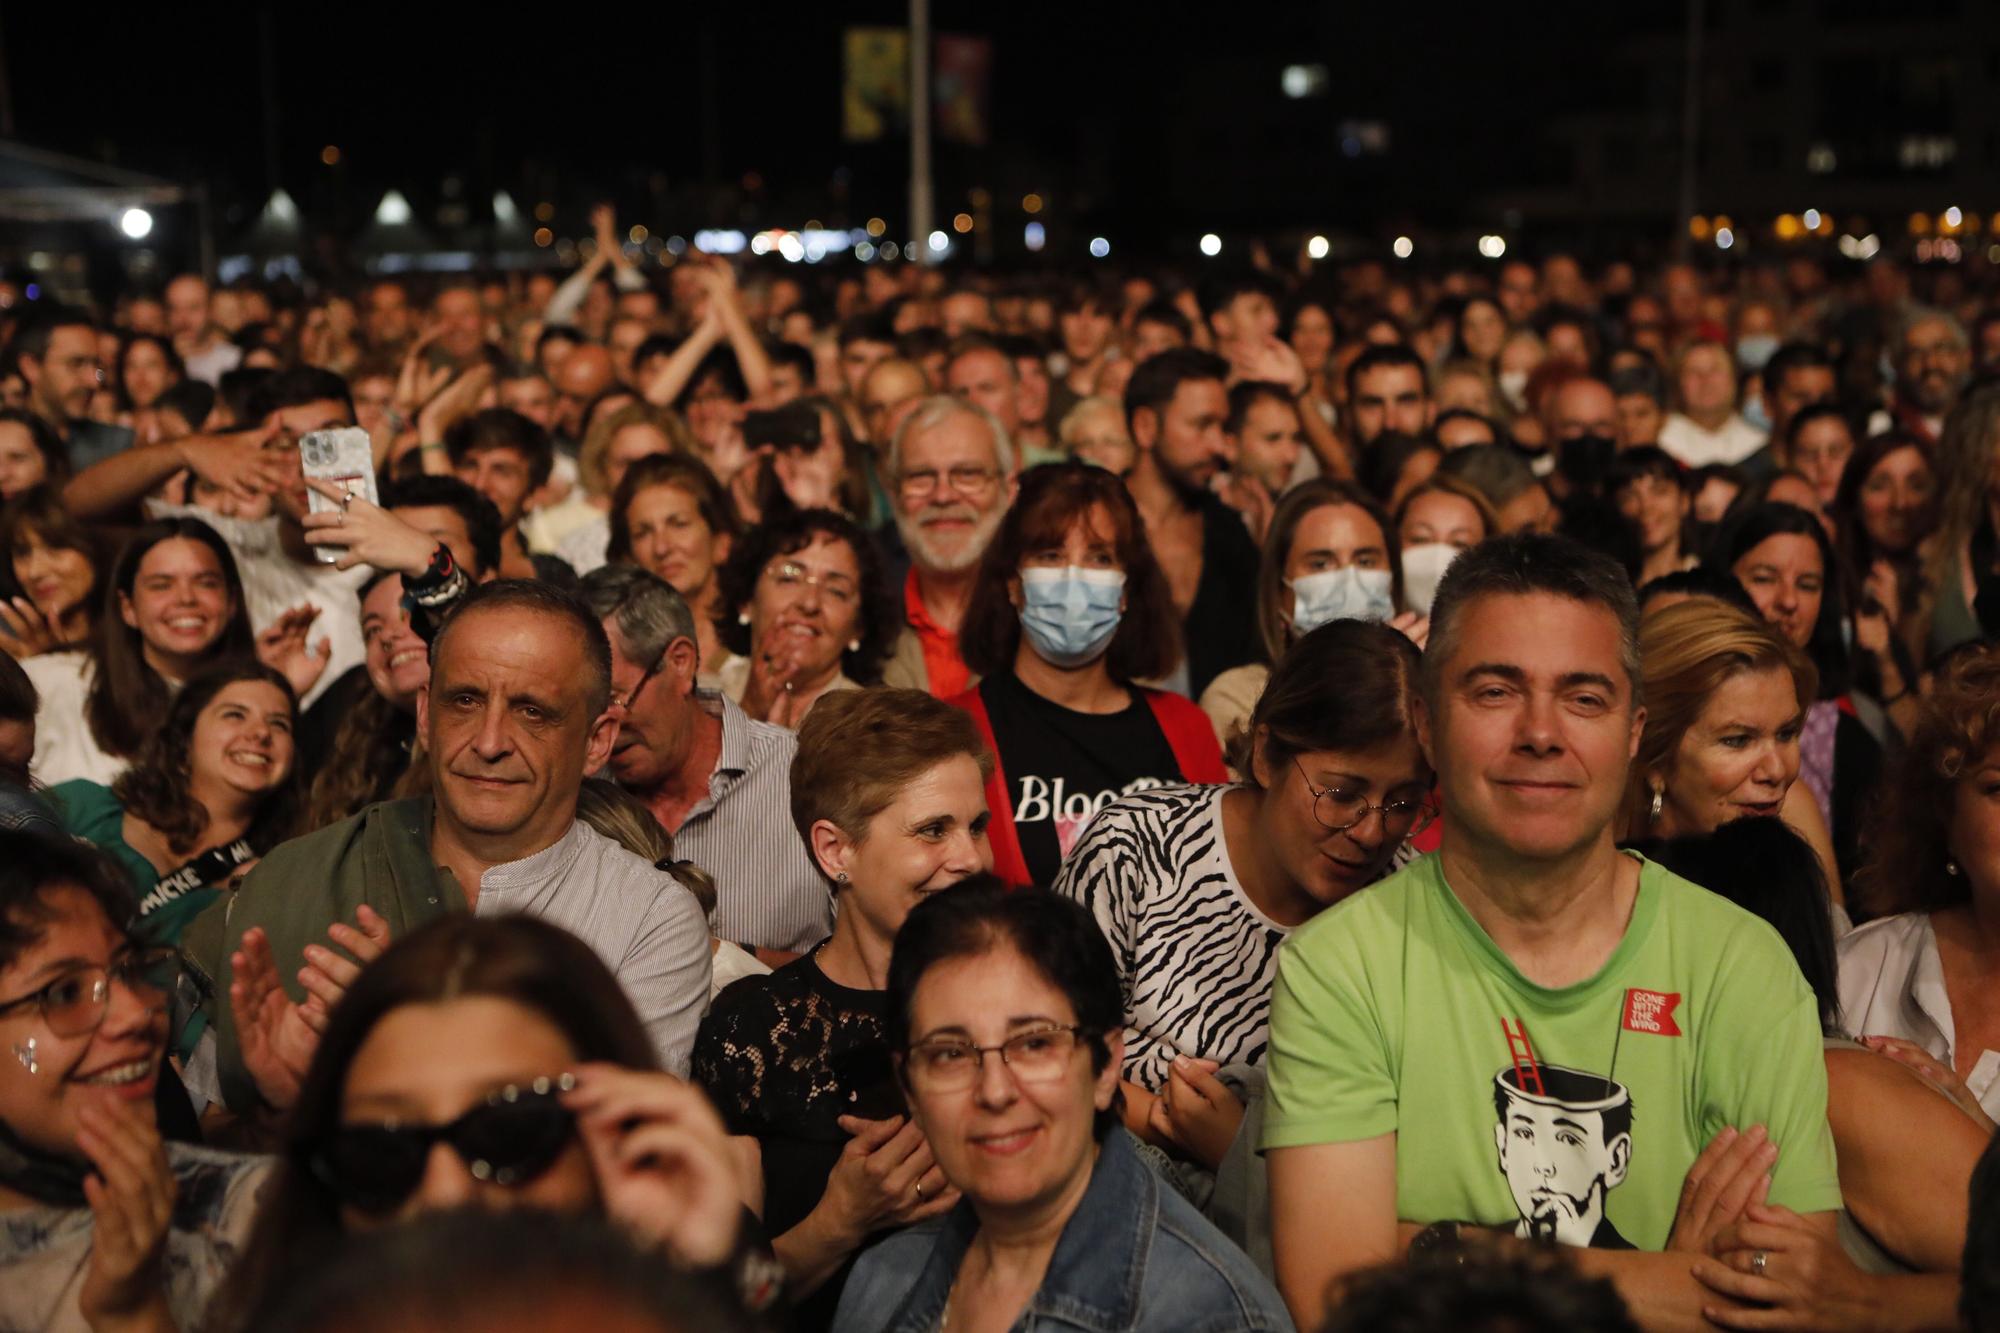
{"type": "Point", "coordinates": [1146, 123]}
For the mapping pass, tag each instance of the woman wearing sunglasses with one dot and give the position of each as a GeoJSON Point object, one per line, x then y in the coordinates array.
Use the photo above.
{"type": "Point", "coordinates": [1004, 1010]}
{"type": "Point", "coordinates": [490, 1063]}
{"type": "Point", "coordinates": [102, 1225]}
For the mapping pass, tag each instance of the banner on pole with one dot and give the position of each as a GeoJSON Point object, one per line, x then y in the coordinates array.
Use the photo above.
{"type": "Point", "coordinates": [875, 92]}
{"type": "Point", "coordinates": [961, 77]}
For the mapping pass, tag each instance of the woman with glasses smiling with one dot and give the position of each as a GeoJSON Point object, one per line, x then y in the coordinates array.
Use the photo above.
{"type": "Point", "coordinates": [804, 612]}
{"type": "Point", "coordinates": [491, 1063]}
{"type": "Point", "coordinates": [102, 1225]}
{"type": "Point", "coordinates": [1004, 1014]}
{"type": "Point", "coordinates": [1197, 886]}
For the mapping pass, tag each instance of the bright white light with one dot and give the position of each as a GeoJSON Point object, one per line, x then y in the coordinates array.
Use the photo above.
{"type": "Point", "coordinates": [1811, 218]}
{"type": "Point", "coordinates": [135, 223]}
{"type": "Point", "coordinates": [1492, 246]}
{"type": "Point", "coordinates": [1099, 247]}
{"type": "Point", "coordinates": [1850, 246]}
{"type": "Point", "coordinates": [1404, 247]}
{"type": "Point", "coordinates": [791, 248]}
{"type": "Point", "coordinates": [1317, 247]}
{"type": "Point", "coordinates": [1952, 216]}
{"type": "Point", "coordinates": [864, 251]}
{"type": "Point", "coordinates": [760, 244]}
{"type": "Point", "coordinates": [938, 242]}
{"type": "Point", "coordinates": [1724, 238]}
{"type": "Point", "coordinates": [716, 242]}
{"type": "Point", "coordinates": [1871, 244]}
{"type": "Point", "coordinates": [1299, 81]}
{"type": "Point", "coordinates": [394, 210]}
{"type": "Point", "coordinates": [503, 207]}
{"type": "Point", "coordinates": [1034, 236]}
{"type": "Point", "coordinates": [279, 209]}
{"type": "Point", "coordinates": [1211, 244]}
{"type": "Point", "coordinates": [889, 250]}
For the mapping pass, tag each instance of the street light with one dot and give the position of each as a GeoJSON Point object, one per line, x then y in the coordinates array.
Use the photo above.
{"type": "Point", "coordinates": [1211, 244]}
{"type": "Point", "coordinates": [136, 223]}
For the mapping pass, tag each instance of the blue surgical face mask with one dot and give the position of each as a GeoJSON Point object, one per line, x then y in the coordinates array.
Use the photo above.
{"type": "Point", "coordinates": [1070, 614]}
{"type": "Point", "coordinates": [1754, 413]}
{"type": "Point", "coordinates": [1352, 593]}
{"type": "Point", "coordinates": [1754, 349]}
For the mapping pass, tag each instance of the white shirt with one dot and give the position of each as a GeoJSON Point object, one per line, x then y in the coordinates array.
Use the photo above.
{"type": "Point", "coordinates": [214, 361]}
{"type": "Point", "coordinates": [1693, 446]}
{"type": "Point", "coordinates": [274, 583]}
{"type": "Point", "coordinates": [64, 747]}
{"type": "Point", "coordinates": [1892, 985]}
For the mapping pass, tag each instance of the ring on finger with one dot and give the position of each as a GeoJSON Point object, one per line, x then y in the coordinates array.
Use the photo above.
{"type": "Point", "coordinates": [1759, 1261]}
{"type": "Point", "coordinates": [920, 1191]}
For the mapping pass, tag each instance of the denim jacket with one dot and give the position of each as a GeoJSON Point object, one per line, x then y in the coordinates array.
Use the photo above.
{"type": "Point", "coordinates": [1135, 1257]}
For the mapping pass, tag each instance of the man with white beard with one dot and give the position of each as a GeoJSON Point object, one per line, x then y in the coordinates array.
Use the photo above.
{"type": "Point", "coordinates": [950, 469]}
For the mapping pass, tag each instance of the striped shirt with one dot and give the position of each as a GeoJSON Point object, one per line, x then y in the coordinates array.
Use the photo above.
{"type": "Point", "coordinates": [768, 892]}
{"type": "Point", "coordinates": [1196, 958]}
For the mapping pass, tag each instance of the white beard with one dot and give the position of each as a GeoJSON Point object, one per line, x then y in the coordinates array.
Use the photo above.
{"type": "Point", "coordinates": [926, 556]}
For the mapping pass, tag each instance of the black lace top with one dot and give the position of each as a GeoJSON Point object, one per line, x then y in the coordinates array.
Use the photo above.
{"type": "Point", "coordinates": [785, 1056]}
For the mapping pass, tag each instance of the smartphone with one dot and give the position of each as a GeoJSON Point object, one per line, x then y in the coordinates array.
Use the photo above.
{"type": "Point", "coordinates": [788, 427]}
{"type": "Point", "coordinates": [344, 457]}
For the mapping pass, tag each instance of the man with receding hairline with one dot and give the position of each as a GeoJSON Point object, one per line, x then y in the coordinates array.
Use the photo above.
{"type": "Point", "coordinates": [518, 709]}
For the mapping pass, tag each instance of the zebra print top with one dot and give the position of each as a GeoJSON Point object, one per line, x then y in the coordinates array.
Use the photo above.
{"type": "Point", "coordinates": [1196, 958]}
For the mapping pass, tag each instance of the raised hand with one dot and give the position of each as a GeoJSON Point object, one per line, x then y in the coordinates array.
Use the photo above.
{"type": "Point", "coordinates": [237, 462]}
{"type": "Point", "coordinates": [664, 1164]}
{"type": "Point", "coordinates": [454, 401]}
{"type": "Point", "coordinates": [277, 1037]}
{"type": "Point", "coordinates": [284, 647]}
{"type": "Point", "coordinates": [24, 630]}
{"type": "Point", "coordinates": [131, 1197]}
{"type": "Point", "coordinates": [367, 534]}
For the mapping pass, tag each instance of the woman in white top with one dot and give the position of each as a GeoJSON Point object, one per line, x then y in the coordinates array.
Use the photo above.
{"type": "Point", "coordinates": [1922, 975]}
{"type": "Point", "coordinates": [174, 603]}
{"type": "Point", "coordinates": [610, 447]}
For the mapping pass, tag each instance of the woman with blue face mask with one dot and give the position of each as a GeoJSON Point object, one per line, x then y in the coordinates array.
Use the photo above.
{"type": "Point", "coordinates": [1069, 610]}
{"type": "Point", "coordinates": [1330, 554]}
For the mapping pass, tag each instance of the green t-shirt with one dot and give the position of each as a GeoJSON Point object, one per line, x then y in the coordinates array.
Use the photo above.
{"type": "Point", "coordinates": [1568, 1114]}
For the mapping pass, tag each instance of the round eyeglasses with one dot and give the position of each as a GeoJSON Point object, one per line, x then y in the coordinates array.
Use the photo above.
{"type": "Point", "coordinates": [1338, 809]}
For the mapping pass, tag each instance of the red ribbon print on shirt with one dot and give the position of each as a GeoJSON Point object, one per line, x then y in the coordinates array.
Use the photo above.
{"type": "Point", "coordinates": [1651, 1011]}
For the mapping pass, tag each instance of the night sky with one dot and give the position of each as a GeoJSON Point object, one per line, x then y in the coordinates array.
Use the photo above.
{"type": "Point", "coordinates": [1142, 120]}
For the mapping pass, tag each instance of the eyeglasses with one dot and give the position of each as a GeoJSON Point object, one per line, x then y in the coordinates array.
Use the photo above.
{"type": "Point", "coordinates": [1338, 811]}
{"type": "Point", "coordinates": [945, 1065]}
{"type": "Point", "coordinates": [965, 480]}
{"type": "Point", "coordinates": [632, 696]}
{"type": "Point", "coordinates": [793, 577]}
{"type": "Point", "coordinates": [509, 1139]}
{"type": "Point", "coordinates": [74, 1004]}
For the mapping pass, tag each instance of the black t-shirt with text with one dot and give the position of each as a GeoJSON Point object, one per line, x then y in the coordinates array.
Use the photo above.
{"type": "Point", "coordinates": [1062, 766]}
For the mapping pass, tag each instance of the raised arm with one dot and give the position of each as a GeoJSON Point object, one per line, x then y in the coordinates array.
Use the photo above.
{"type": "Point", "coordinates": [719, 280]}
{"type": "Point", "coordinates": [237, 462]}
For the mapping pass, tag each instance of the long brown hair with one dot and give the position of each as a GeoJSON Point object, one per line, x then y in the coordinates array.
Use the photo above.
{"type": "Point", "coordinates": [538, 966]}
{"type": "Point", "coordinates": [1052, 499]}
{"type": "Point", "coordinates": [159, 787]}
{"type": "Point", "coordinates": [128, 697]}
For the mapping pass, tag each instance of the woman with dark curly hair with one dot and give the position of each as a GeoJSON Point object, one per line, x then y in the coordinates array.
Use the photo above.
{"type": "Point", "coordinates": [213, 788]}
{"type": "Point", "coordinates": [803, 611]}
{"type": "Point", "coordinates": [1915, 981]}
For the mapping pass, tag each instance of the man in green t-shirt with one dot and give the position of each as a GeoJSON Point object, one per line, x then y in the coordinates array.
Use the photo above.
{"type": "Point", "coordinates": [1531, 1032]}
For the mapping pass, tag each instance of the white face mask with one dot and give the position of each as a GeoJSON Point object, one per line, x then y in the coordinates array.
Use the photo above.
{"type": "Point", "coordinates": [1423, 568]}
{"type": "Point", "coordinates": [1352, 593]}
{"type": "Point", "coordinates": [1514, 387]}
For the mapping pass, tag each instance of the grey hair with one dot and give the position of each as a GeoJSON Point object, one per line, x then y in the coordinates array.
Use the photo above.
{"type": "Point", "coordinates": [933, 412]}
{"type": "Point", "coordinates": [1924, 314]}
{"type": "Point", "coordinates": [1530, 563]}
{"type": "Point", "coordinates": [649, 614]}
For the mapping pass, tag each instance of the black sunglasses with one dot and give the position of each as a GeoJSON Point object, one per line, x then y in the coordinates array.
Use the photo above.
{"type": "Point", "coordinates": [509, 1139]}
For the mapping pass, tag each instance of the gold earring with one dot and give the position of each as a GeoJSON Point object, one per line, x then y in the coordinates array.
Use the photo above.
{"type": "Point", "coordinates": [1659, 800]}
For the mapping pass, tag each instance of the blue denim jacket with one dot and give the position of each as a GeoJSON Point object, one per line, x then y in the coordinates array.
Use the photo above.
{"type": "Point", "coordinates": [1135, 1257]}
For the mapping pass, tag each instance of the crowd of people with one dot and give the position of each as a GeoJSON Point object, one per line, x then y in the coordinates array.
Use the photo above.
{"type": "Point", "coordinates": [901, 798]}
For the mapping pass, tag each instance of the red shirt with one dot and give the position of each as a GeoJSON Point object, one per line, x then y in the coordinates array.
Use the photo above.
{"type": "Point", "coordinates": [942, 663]}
